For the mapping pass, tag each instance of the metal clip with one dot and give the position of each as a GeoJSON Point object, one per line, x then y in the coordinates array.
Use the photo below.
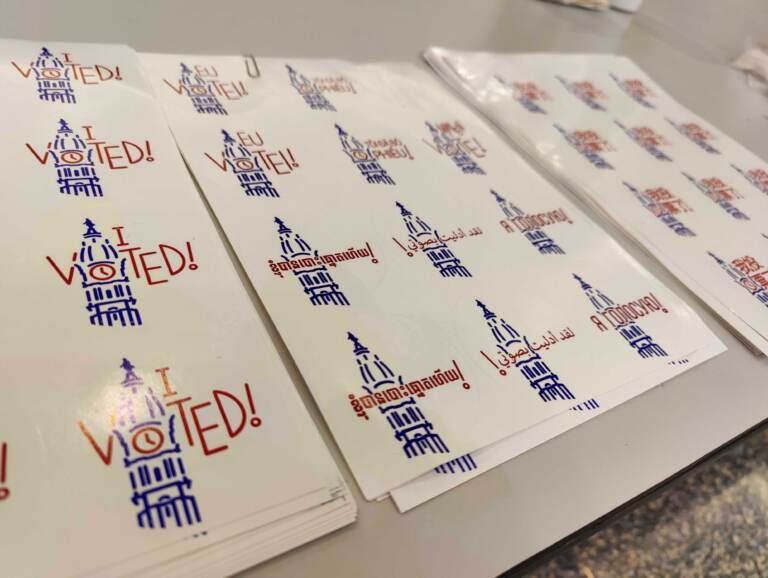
{"type": "Point", "coordinates": [251, 67]}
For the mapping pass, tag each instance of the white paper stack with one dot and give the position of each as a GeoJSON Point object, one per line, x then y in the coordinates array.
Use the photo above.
{"type": "Point", "coordinates": [695, 198]}
{"type": "Point", "coordinates": [147, 424]}
{"type": "Point", "coordinates": [448, 308]}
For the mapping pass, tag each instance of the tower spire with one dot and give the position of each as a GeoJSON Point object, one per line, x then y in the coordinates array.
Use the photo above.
{"type": "Point", "coordinates": [487, 313]}
{"type": "Point", "coordinates": [281, 226]}
{"type": "Point", "coordinates": [90, 230]}
{"type": "Point", "coordinates": [715, 257]}
{"type": "Point", "coordinates": [584, 284]}
{"type": "Point", "coordinates": [403, 211]}
{"type": "Point", "coordinates": [359, 347]}
{"type": "Point", "coordinates": [130, 379]}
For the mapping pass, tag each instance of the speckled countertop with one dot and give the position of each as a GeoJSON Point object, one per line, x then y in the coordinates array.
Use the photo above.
{"type": "Point", "coordinates": [712, 522]}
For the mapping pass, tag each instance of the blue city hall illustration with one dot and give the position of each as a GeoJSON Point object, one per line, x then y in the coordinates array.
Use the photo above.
{"type": "Point", "coordinates": [635, 89]}
{"type": "Point", "coordinates": [647, 139]}
{"type": "Point", "coordinates": [584, 91]}
{"type": "Point", "coordinates": [537, 237]}
{"type": "Point", "coordinates": [73, 161]}
{"type": "Point", "coordinates": [587, 143]}
{"type": "Point", "coordinates": [661, 210]}
{"type": "Point", "coordinates": [720, 193]}
{"type": "Point", "coordinates": [629, 330]}
{"type": "Point", "coordinates": [451, 146]}
{"type": "Point", "coordinates": [411, 428]}
{"type": "Point", "coordinates": [152, 457]}
{"type": "Point", "coordinates": [199, 92]}
{"type": "Point", "coordinates": [428, 240]}
{"type": "Point", "coordinates": [245, 166]}
{"type": "Point", "coordinates": [314, 277]}
{"type": "Point", "coordinates": [695, 134]}
{"type": "Point", "coordinates": [530, 364]}
{"type": "Point", "coordinates": [53, 83]}
{"type": "Point", "coordinates": [312, 95]}
{"type": "Point", "coordinates": [363, 159]}
{"type": "Point", "coordinates": [754, 288]}
{"type": "Point", "coordinates": [586, 405]}
{"type": "Point", "coordinates": [758, 178]}
{"type": "Point", "coordinates": [108, 295]}
{"type": "Point", "coordinates": [463, 464]}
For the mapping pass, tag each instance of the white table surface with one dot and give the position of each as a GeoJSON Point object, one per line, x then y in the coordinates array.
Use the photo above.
{"type": "Point", "coordinates": [514, 511]}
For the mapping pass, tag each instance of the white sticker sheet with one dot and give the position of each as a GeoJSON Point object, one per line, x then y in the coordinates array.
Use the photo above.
{"type": "Point", "coordinates": [691, 195]}
{"type": "Point", "coordinates": [437, 295]}
{"type": "Point", "coordinates": [432, 484]}
{"type": "Point", "coordinates": [144, 411]}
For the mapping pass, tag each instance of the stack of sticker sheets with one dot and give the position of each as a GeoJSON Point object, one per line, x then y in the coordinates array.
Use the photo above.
{"type": "Point", "coordinates": [695, 198]}
{"type": "Point", "coordinates": [448, 308]}
{"type": "Point", "coordinates": [147, 424]}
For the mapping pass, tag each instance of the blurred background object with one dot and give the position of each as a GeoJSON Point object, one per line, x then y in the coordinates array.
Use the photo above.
{"type": "Point", "coordinates": [754, 62]}
{"type": "Point", "coordinates": [591, 4]}
{"type": "Point", "coordinates": [626, 5]}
